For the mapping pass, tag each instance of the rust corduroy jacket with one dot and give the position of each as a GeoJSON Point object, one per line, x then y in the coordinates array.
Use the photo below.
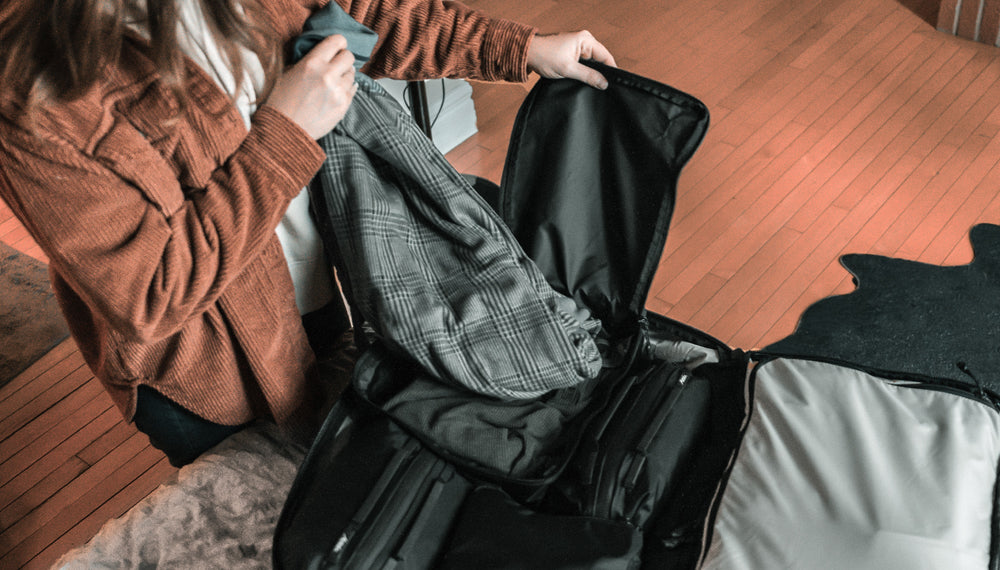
{"type": "Point", "coordinates": [160, 232]}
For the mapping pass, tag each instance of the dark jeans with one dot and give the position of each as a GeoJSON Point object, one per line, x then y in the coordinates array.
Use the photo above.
{"type": "Point", "coordinates": [175, 431]}
{"type": "Point", "coordinates": [183, 435]}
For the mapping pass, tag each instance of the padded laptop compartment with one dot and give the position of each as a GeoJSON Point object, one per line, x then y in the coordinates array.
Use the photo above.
{"type": "Point", "coordinates": [838, 468]}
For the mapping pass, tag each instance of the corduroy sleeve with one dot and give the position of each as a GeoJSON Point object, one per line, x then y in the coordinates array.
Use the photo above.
{"type": "Point", "coordinates": [143, 252]}
{"type": "Point", "coordinates": [420, 39]}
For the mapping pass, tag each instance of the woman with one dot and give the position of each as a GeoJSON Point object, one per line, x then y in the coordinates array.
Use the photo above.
{"type": "Point", "coordinates": [168, 194]}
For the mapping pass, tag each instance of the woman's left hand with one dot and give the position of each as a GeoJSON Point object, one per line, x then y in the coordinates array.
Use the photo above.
{"type": "Point", "coordinates": [558, 56]}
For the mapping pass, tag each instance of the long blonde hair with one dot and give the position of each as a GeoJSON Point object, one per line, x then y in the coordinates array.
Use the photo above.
{"type": "Point", "coordinates": [56, 50]}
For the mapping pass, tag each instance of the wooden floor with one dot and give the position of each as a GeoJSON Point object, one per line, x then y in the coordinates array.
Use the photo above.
{"type": "Point", "coordinates": [838, 126]}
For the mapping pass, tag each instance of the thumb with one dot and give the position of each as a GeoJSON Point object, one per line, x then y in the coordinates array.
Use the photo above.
{"type": "Point", "coordinates": [588, 75]}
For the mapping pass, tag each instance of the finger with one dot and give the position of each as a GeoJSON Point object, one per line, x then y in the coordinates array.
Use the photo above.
{"type": "Point", "coordinates": [601, 54]}
{"type": "Point", "coordinates": [343, 62]}
{"type": "Point", "coordinates": [587, 75]}
{"type": "Point", "coordinates": [349, 97]}
{"type": "Point", "coordinates": [590, 48]}
{"type": "Point", "coordinates": [328, 47]}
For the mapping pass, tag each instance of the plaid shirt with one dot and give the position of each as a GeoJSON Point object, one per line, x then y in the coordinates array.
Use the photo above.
{"type": "Point", "coordinates": [433, 269]}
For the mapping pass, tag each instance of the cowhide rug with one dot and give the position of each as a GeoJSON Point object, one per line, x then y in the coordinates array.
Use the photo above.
{"type": "Point", "coordinates": [913, 318]}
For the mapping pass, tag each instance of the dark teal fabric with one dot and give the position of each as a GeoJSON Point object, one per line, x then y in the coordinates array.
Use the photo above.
{"type": "Point", "coordinates": [333, 20]}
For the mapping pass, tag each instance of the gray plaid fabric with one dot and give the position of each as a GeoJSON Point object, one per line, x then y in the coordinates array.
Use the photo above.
{"type": "Point", "coordinates": [433, 269]}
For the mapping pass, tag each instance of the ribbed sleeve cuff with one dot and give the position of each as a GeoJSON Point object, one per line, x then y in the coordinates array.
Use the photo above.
{"type": "Point", "coordinates": [505, 51]}
{"type": "Point", "coordinates": [286, 149]}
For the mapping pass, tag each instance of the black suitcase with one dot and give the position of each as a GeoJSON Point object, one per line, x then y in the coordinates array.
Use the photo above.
{"type": "Point", "coordinates": [580, 457]}
{"type": "Point", "coordinates": [644, 466]}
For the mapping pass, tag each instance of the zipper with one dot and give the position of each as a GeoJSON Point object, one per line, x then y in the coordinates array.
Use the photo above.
{"type": "Point", "coordinates": [638, 456]}
{"type": "Point", "coordinates": [426, 515]}
{"type": "Point", "coordinates": [389, 520]}
{"type": "Point", "coordinates": [634, 459]}
{"type": "Point", "coordinates": [904, 379]}
{"type": "Point", "coordinates": [590, 466]}
{"type": "Point", "coordinates": [676, 384]}
{"type": "Point", "coordinates": [373, 505]}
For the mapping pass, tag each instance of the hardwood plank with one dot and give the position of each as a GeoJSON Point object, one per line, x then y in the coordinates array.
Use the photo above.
{"type": "Point", "coordinates": [66, 440]}
{"type": "Point", "coordinates": [35, 251]}
{"type": "Point", "coordinates": [655, 305]}
{"type": "Point", "coordinates": [897, 23]}
{"type": "Point", "coordinates": [42, 403]}
{"type": "Point", "coordinates": [43, 365]}
{"type": "Point", "coordinates": [779, 117]}
{"type": "Point", "coordinates": [8, 225]}
{"type": "Point", "coordinates": [887, 145]}
{"type": "Point", "coordinates": [841, 26]}
{"type": "Point", "coordinates": [777, 15]}
{"type": "Point", "coordinates": [14, 235]}
{"type": "Point", "coordinates": [795, 31]}
{"type": "Point", "coordinates": [727, 301]}
{"type": "Point", "coordinates": [794, 175]}
{"type": "Point", "coordinates": [762, 104]}
{"type": "Point", "coordinates": [734, 224]}
{"type": "Point", "coordinates": [968, 80]}
{"type": "Point", "coordinates": [116, 435]}
{"type": "Point", "coordinates": [768, 298]}
{"type": "Point", "coordinates": [982, 204]}
{"type": "Point", "coordinates": [42, 488]}
{"type": "Point", "coordinates": [27, 536]}
{"type": "Point", "coordinates": [727, 224]}
{"type": "Point", "coordinates": [83, 507]}
{"type": "Point", "coordinates": [118, 505]}
{"type": "Point", "coordinates": [826, 275]}
{"type": "Point", "coordinates": [694, 299]}
{"type": "Point", "coordinates": [885, 207]}
{"type": "Point", "coordinates": [920, 223]}
{"type": "Point", "coordinates": [36, 421]}
{"type": "Point", "coordinates": [31, 389]}
{"type": "Point", "coordinates": [930, 111]}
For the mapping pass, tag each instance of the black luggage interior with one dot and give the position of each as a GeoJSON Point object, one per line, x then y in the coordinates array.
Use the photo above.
{"type": "Point", "coordinates": [617, 472]}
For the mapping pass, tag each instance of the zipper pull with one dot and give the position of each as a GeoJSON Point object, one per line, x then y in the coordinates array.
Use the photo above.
{"type": "Point", "coordinates": [979, 386]}
{"type": "Point", "coordinates": [638, 454]}
{"type": "Point", "coordinates": [333, 558]}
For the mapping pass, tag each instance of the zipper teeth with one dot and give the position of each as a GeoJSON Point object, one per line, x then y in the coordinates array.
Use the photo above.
{"type": "Point", "coordinates": [953, 390]}
{"type": "Point", "coordinates": [442, 474]}
{"type": "Point", "coordinates": [669, 401]}
{"type": "Point", "coordinates": [377, 497]}
{"type": "Point", "coordinates": [600, 499]}
{"type": "Point", "coordinates": [903, 379]}
{"type": "Point", "coordinates": [676, 385]}
{"type": "Point", "coordinates": [418, 474]}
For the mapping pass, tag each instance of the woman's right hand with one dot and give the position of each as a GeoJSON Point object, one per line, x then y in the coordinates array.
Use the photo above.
{"type": "Point", "coordinates": [316, 92]}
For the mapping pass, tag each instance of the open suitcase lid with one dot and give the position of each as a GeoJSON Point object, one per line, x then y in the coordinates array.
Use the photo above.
{"type": "Point", "coordinates": [593, 222]}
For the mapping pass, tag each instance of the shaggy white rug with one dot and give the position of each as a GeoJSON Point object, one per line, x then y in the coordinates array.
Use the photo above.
{"type": "Point", "coordinates": [218, 512]}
